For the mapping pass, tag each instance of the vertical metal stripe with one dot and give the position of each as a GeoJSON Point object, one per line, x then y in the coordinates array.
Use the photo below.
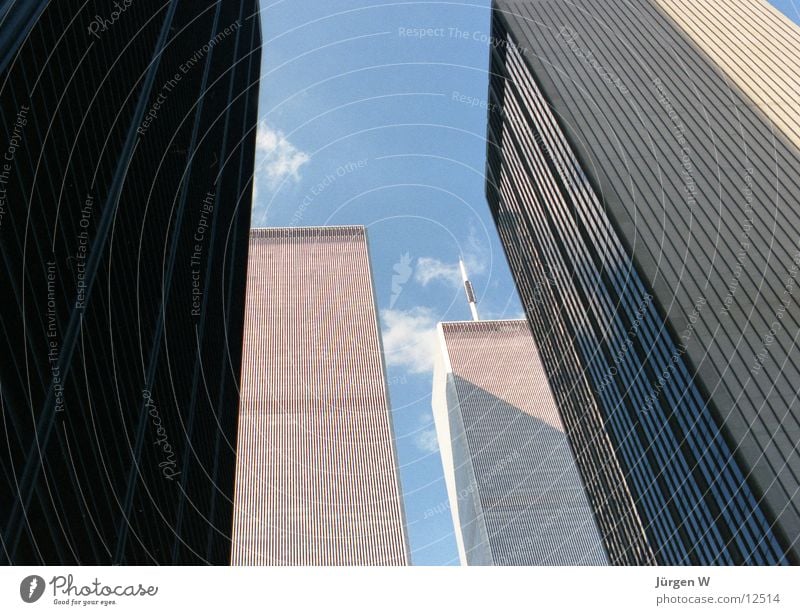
{"type": "Point", "coordinates": [316, 479]}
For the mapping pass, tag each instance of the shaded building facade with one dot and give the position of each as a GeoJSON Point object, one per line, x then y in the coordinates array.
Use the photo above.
{"type": "Point", "coordinates": [515, 493]}
{"type": "Point", "coordinates": [316, 476]}
{"type": "Point", "coordinates": [645, 187]}
{"type": "Point", "coordinates": [128, 151]}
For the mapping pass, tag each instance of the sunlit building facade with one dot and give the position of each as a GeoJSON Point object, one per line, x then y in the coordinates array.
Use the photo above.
{"type": "Point", "coordinates": [316, 477]}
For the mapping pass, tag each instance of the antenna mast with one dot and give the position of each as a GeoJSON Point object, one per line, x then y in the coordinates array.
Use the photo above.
{"type": "Point", "coordinates": [469, 290]}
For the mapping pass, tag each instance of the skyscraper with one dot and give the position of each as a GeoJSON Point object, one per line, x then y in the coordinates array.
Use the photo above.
{"type": "Point", "coordinates": [643, 173]}
{"type": "Point", "coordinates": [124, 215]}
{"type": "Point", "coordinates": [316, 477]}
{"type": "Point", "coordinates": [515, 493]}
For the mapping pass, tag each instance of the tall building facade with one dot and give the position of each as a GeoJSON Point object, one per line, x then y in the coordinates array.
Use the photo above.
{"type": "Point", "coordinates": [316, 476]}
{"type": "Point", "coordinates": [515, 492]}
{"type": "Point", "coordinates": [127, 156]}
{"type": "Point", "coordinates": [643, 171]}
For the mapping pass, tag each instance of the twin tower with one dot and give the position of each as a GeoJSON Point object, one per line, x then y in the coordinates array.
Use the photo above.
{"type": "Point", "coordinates": [317, 477]}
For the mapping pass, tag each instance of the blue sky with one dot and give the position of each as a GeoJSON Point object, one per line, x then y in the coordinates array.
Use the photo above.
{"type": "Point", "coordinates": [790, 8]}
{"type": "Point", "coordinates": [364, 121]}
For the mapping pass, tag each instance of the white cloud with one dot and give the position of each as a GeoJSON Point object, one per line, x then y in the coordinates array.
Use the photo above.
{"type": "Point", "coordinates": [475, 245]}
{"type": "Point", "coordinates": [427, 440]}
{"type": "Point", "coordinates": [409, 339]}
{"type": "Point", "coordinates": [276, 157]}
{"type": "Point", "coordinates": [430, 269]}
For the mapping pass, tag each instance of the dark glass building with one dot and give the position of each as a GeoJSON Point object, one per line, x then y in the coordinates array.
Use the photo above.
{"type": "Point", "coordinates": [127, 157]}
{"type": "Point", "coordinates": [643, 173]}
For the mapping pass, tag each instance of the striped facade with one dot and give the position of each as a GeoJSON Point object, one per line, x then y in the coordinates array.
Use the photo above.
{"type": "Point", "coordinates": [316, 477]}
{"type": "Point", "coordinates": [643, 171]}
{"type": "Point", "coordinates": [124, 219]}
{"type": "Point", "coordinates": [515, 492]}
